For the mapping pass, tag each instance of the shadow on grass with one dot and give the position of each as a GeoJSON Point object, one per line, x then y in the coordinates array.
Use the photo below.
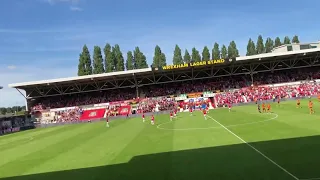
{"type": "Point", "coordinates": [300, 156]}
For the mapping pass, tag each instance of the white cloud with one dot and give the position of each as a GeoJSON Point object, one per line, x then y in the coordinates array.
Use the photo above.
{"type": "Point", "coordinates": [74, 8]}
{"type": "Point", "coordinates": [65, 1]}
{"type": "Point", "coordinates": [11, 67]}
{"type": "Point", "coordinates": [72, 2]}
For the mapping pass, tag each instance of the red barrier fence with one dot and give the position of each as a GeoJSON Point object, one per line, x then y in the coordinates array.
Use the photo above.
{"type": "Point", "coordinates": [92, 114]}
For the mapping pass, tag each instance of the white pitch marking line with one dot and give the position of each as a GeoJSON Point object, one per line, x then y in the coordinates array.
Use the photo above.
{"type": "Point", "coordinates": [214, 127]}
{"type": "Point", "coordinates": [255, 149]}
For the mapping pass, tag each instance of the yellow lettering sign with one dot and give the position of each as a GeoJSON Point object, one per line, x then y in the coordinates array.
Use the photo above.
{"type": "Point", "coordinates": [177, 66]}
{"type": "Point", "coordinates": [218, 61]}
{"type": "Point", "coordinates": [194, 64]}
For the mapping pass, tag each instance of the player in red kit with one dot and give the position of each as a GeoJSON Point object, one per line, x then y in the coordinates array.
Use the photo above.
{"type": "Point", "coordinates": [171, 116]}
{"type": "Point", "coordinates": [229, 105]}
{"type": "Point", "coordinates": [107, 121]}
{"type": "Point", "coordinates": [175, 112]}
{"type": "Point", "coordinates": [190, 111]}
{"type": "Point", "coordinates": [143, 117]}
{"type": "Point", "coordinates": [205, 114]}
{"type": "Point", "coordinates": [152, 119]}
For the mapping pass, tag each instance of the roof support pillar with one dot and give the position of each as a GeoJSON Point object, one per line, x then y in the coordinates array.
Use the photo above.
{"type": "Point", "coordinates": [136, 85]}
{"type": "Point", "coordinates": [25, 97]}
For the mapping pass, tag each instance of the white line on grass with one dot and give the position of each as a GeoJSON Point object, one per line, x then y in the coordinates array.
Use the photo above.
{"type": "Point", "coordinates": [214, 127]}
{"type": "Point", "coordinates": [255, 149]}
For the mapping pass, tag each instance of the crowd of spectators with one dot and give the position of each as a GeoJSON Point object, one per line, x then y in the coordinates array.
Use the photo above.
{"type": "Point", "coordinates": [251, 94]}
{"type": "Point", "coordinates": [221, 84]}
{"type": "Point", "coordinates": [155, 104]}
{"type": "Point", "coordinates": [69, 115]}
{"type": "Point", "coordinates": [84, 99]}
{"type": "Point", "coordinates": [287, 76]}
{"type": "Point", "coordinates": [61, 116]}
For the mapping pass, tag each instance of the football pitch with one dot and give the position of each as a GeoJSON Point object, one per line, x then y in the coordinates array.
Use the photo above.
{"type": "Point", "coordinates": [242, 144]}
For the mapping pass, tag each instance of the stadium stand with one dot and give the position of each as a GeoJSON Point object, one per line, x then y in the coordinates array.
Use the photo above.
{"type": "Point", "coordinates": [10, 124]}
{"type": "Point", "coordinates": [240, 80]}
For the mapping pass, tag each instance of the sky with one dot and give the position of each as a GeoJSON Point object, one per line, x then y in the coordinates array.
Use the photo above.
{"type": "Point", "coordinates": [42, 39]}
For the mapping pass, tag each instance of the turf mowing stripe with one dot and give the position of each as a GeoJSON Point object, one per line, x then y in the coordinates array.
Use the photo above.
{"type": "Point", "coordinates": [36, 145]}
{"type": "Point", "coordinates": [275, 116]}
{"type": "Point", "coordinates": [255, 149]}
{"type": "Point", "coordinates": [63, 145]}
{"type": "Point", "coordinates": [96, 151]}
{"type": "Point", "coordinates": [22, 134]}
{"type": "Point", "coordinates": [148, 140]}
{"type": "Point", "coordinates": [26, 138]}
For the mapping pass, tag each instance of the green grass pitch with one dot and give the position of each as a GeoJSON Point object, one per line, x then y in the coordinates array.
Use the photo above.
{"type": "Point", "coordinates": [242, 144]}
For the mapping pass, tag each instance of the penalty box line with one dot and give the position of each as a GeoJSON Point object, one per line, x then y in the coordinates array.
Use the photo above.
{"type": "Point", "coordinates": [283, 169]}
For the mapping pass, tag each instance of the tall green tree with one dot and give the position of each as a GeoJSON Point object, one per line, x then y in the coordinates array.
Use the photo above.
{"type": "Point", "coordinates": [215, 51]}
{"type": "Point", "coordinates": [195, 55]}
{"type": "Point", "coordinates": [205, 54]}
{"type": "Point", "coordinates": [114, 59]}
{"type": "Point", "coordinates": [3, 110]}
{"type": "Point", "coordinates": [260, 45]}
{"type": "Point", "coordinates": [86, 64]}
{"type": "Point", "coordinates": [251, 48]}
{"type": "Point", "coordinates": [186, 57]}
{"type": "Point", "coordinates": [81, 66]}
{"type": "Point", "coordinates": [269, 45]}
{"type": "Point", "coordinates": [108, 58]}
{"type": "Point", "coordinates": [233, 50]}
{"type": "Point", "coordinates": [295, 39]}
{"type": "Point", "coordinates": [159, 58]}
{"type": "Point", "coordinates": [129, 61]}
{"type": "Point", "coordinates": [97, 61]}
{"type": "Point", "coordinates": [286, 40]}
{"type": "Point", "coordinates": [143, 61]}
{"type": "Point", "coordinates": [224, 52]}
{"type": "Point", "coordinates": [119, 58]}
{"type": "Point", "coordinates": [277, 42]}
{"type": "Point", "coordinates": [163, 59]}
{"type": "Point", "coordinates": [177, 57]}
{"type": "Point", "coordinates": [139, 59]}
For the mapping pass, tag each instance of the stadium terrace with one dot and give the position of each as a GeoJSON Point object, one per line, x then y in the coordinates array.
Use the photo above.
{"type": "Point", "coordinates": [247, 65]}
{"type": "Point", "coordinates": [157, 81]}
{"type": "Point", "coordinates": [141, 90]}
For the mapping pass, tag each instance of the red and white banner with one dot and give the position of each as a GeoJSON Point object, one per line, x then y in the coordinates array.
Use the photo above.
{"type": "Point", "coordinates": [92, 114]}
{"type": "Point", "coordinates": [124, 110]}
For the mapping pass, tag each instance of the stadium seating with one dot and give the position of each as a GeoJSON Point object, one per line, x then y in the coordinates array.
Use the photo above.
{"type": "Point", "coordinates": [234, 89]}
